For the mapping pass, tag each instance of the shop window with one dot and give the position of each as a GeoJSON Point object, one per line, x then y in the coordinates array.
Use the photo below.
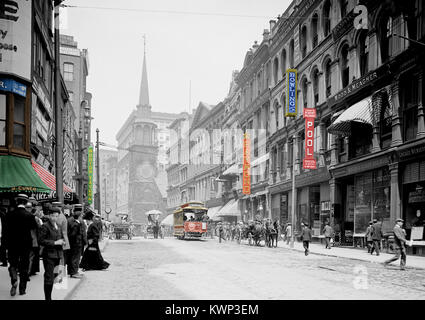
{"type": "Point", "coordinates": [360, 140]}
{"type": "Point", "coordinates": [327, 17]}
{"type": "Point", "coordinates": [3, 123]}
{"type": "Point", "coordinates": [19, 123]}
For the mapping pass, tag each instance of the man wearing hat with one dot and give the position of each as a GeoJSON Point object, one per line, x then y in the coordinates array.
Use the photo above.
{"type": "Point", "coordinates": [18, 241]}
{"type": "Point", "coordinates": [52, 239]}
{"type": "Point", "coordinates": [400, 244]}
{"type": "Point", "coordinates": [76, 241]}
{"type": "Point", "coordinates": [305, 237]}
{"type": "Point", "coordinates": [62, 222]}
{"type": "Point", "coordinates": [377, 236]}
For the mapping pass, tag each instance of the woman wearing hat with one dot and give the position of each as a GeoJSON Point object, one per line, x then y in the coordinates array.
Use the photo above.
{"type": "Point", "coordinates": [52, 240]}
{"type": "Point", "coordinates": [92, 258]}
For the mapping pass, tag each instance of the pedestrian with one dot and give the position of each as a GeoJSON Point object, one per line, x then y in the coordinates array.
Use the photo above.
{"type": "Point", "coordinates": [220, 232]}
{"type": "Point", "coordinates": [399, 244]}
{"type": "Point", "coordinates": [368, 236]}
{"type": "Point", "coordinates": [76, 241]}
{"type": "Point", "coordinates": [34, 265]}
{"type": "Point", "coordinates": [62, 222]}
{"type": "Point", "coordinates": [3, 255]}
{"type": "Point", "coordinates": [328, 232]}
{"type": "Point", "coordinates": [18, 241]}
{"type": "Point", "coordinates": [376, 236]}
{"type": "Point", "coordinates": [53, 241]}
{"type": "Point", "coordinates": [288, 233]}
{"type": "Point", "coordinates": [306, 237]}
{"type": "Point", "coordinates": [92, 258]}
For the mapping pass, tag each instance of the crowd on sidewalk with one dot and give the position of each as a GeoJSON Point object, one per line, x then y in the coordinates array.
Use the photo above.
{"type": "Point", "coordinates": [266, 228]}
{"type": "Point", "coordinates": [30, 233]}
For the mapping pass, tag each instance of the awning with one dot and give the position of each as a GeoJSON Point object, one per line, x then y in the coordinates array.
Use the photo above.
{"type": "Point", "coordinates": [213, 211]}
{"type": "Point", "coordinates": [231, 208]}
{"type": "Point", "coordinates": [259, 193]}
{"type": "Point", "coordinates": [168, 220]}
{"type": "Point", "coordinates": [48, 178]}
{"type": "Point", "coordinates": [17, 175]}
{"type": "Point", "coordinates": [360, 112]}
{"type": "Point", "coordinates": [232, 170]}
{"type": "Point", "coordinates": [259, 160]}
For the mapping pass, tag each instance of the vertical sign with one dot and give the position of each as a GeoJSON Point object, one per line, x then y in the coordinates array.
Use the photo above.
{"type": "Point", "coordinates": [90, 174]}
{"type": "Point", "coordinates": [15, 38]}
{"type": "Point", "coordinates": [309, 162]}
{"type": "Point", "coordinates": [291, 104]}
{"type": "Point", "coordinates": [246, 179]}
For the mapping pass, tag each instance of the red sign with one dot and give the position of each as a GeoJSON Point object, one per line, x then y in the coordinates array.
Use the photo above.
{"type": "Point", "coordinates": [195, 227]}
{"type": "Point", "coordinates": [246, 179]}
{"type": "Point", "coordinates": [309, 162]}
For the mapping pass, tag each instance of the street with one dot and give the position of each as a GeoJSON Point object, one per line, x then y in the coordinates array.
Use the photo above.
{"type": "Point", "coordinates": [192, 269]}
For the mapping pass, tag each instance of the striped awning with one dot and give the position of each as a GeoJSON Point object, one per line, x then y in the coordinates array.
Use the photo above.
{"type": "Point", "coordinates": [48, 178]}
{"type": "Point", "coordinates": [361, 112]}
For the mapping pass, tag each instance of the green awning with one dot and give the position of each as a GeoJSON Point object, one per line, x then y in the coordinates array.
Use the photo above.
{"type": "Point", "coordinates": [18, 175]}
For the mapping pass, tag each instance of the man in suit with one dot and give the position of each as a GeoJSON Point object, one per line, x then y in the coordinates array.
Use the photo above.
{"type": "Point", "coordinates": [368, 237]}
{"type": "Point", "coordinates": [3, 255]}
{"type": "Point", "coordinates": [52, 239]}
{"type": "Point", "coordinates": [76, 241]}
{"type": "Point", "coordinates": [306, 237]}
{"type": "Point", "coordinates": [377, 236]}
{"type": "Point", "coordinates": [327, 232]}
{"type": "Point", "coordinates": [399, 244]}
{"type": "Point", "coordinates": [62, 222]}
{"type": "Point", "coordinates": [18, 241]}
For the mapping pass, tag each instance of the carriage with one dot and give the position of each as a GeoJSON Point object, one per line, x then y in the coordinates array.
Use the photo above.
{"type": "Point", "coordinates": [121, 229]}
{"type": "Point", "coordinates": [153, 229]}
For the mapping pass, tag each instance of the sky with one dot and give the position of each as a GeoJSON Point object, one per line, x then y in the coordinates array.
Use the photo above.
{"type": "Point", "coordinates": [182, 50]}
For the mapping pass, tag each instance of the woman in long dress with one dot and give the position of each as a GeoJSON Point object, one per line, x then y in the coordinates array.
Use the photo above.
{"type": "Point", "coordinates": [92, 258]}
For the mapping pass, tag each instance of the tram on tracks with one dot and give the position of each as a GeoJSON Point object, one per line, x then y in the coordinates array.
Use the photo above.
{"type": "Point", "coordinates": [190, 220]}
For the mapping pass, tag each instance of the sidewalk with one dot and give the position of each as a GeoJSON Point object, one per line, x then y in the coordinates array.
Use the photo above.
{"type": "Point", "coordinates": [35, 288]}
{"type": "Point", "coordinates": [416, 262]}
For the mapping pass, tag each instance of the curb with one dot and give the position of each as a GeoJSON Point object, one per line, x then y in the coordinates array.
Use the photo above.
{"type": "Point", "coordinates": [70, 293]}
{"type": "Point", "coordinates": [350, 258]}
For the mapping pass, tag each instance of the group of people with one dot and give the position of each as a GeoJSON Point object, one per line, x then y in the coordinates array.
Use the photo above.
{"type": "Point", "coordinates": [64, 243]}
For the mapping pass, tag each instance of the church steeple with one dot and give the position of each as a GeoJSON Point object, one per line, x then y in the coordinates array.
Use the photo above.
{"type": "Point", "coordinates": [144, 87]}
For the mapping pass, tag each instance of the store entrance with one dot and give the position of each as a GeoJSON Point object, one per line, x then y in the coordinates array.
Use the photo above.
{"type": "Point", "coordinates": [347, 211]}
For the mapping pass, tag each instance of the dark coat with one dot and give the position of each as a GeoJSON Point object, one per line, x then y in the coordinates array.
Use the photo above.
{"type": "Point", "coordinates": [75, 233]}
{"type": "Point", "coordinates": [47, 237]}
{"type": "Point", "coordinates": [399, 237]}
{"type": "Point", "coordinates": [17, 229]}
{"type": "Point", "coordinates": [377, 231]}
{"type": "Point", "coordinates": [306, 234]}
{"type": "Point", "coordinates": [93, 233]}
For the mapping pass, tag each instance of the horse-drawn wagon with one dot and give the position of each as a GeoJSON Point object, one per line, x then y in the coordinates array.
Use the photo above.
{"type": "Point", "coordinates": [121, 229]}
{"type": "Point", "coordinates": [153, 227]}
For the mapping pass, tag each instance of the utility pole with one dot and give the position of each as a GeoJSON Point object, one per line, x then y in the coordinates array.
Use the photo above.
{"type": "Point", "coordinates": [80, 168]}
{"type": "Point", "coordinates": [58, 110]}
{"type": "Point", "coordinates": [98, 172]}
{"type": "Point", "coordinates": [294, 197]}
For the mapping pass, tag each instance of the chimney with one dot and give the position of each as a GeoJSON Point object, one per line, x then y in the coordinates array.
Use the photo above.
{"type": "Point", "coordinates": [272, 24]}
{"type": "Point", "coordinates": [255, 45]}
{"type": "Point", "coordinates": [266, 34]}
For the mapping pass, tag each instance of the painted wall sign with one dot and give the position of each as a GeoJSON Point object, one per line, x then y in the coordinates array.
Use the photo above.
{"type": "Point", "coordinates": [291, 103]}
{"type": "Point", "coordinates": [246, 175]}
{"type": "Point", "coordinates": [309, 162]}
{"type": "Point", "coordinates": [13, 86]}
{"type": "Point", "coordinates": [15, 38]}
{"type": "Point", "coordinates": [90, 174]}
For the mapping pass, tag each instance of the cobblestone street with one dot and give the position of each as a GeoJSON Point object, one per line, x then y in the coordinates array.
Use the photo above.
{"type": "Point", "coordinates": [174, 269]}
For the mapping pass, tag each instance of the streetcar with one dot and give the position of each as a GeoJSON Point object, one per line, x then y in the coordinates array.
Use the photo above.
{"type": "Point", "coordinates": [190, 220]}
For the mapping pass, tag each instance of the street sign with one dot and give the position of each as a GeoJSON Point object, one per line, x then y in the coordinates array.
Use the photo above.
{"type": "Point", "coordinates": [309, 162]}
{"type": "Point", "coordinates": [291, 104]}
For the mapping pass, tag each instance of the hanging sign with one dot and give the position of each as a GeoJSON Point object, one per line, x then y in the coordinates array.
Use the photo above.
{"type": "Point", "coordinates": [291, 101]}
{"type": "Point", "coordinates": [90, 174]}
{"type": "Point", "coordinates": [246, 178]}
{"type": "Point", "coordinates": [309, 162]}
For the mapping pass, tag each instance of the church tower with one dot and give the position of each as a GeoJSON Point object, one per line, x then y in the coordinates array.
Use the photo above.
{"type": "Point", "coordinates": [143, 192]}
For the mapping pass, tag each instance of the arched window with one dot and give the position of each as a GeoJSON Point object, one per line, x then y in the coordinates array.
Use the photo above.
{"type": "Point", "coordinates": [315, 80]}
{"type": "Point", "coordinates": [303, 41]}
{"type": "Point", "coordinates": [304, 89]}
{"type": "Point", "coordinates": [291, 54]}
{"type": "Point", "coordinates": [386, 35]}
{"type": "Point", "coordinates": [275, 69]}
{"type": "Point", "coordinates": [328, 78]}
{"type": "Point", "coordinates": [283, 62]}
{"type": "Point", "coordinates": [314, 36]}
{"type": "Point", "coordinates": [345, 69]}
{"type": "Point", "coordinates": [343, 5]}
{"type": "Point", "coordinates": [363, 53]}
{"type": "Point", "coordinates": [276, 112]}
{"type": "Point", "coordinates": [327, 17]}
